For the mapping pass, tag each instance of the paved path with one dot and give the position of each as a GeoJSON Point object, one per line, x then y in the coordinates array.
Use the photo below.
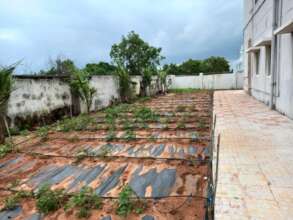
{"type": "Point", "coordinates": [256, 159]}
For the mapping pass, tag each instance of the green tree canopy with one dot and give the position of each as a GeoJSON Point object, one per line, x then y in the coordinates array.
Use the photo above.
{"type": "Point", "coordinates": [215, 65]}
{"type": "Point", "coordinates": [137, 57]}
{"type": "Point", "coordinates": [101, 68]}
{"type": "Point", "coordinates": [194, 67]}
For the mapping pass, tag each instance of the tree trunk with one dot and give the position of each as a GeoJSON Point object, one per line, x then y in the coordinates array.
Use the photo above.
{"type": "Point", "coordinates": [2, 130]}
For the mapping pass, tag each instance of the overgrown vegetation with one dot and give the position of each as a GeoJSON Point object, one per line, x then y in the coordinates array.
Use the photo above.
{"type": "Point", "coordinates": [144, 114]}
{"type": "Point", "coordinates": [49, 200]}
{"type": "Point", "coordinates": [79, 123]}
{"type": "Point", "coordinates": [5, 149]}
{"type": "Point", "coordinates": [6, 83]}
{"type": "Point", "coordinates": [129, 135]}
{"type": "Point", "coordinates": [101, 68]}
{"type": "Point", "coordinates": [126, 204]}
{"type": "Point", "coordinates": [80, 85]}
{"type": "Point", "coordinates": [84, 201]}
{"type": "Point", "coordinates": [43, 132]}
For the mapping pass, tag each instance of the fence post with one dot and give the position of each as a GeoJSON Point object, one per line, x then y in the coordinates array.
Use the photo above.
{"type": "Point", "coordinates": [202, 84]}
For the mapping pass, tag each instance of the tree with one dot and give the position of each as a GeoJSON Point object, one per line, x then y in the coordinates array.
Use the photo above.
{"type": "Point", "coordinates": [6, 83]}
{"type": "Point", "coordinates": [191, 67]}
{"type": "Point", "coordinates": [216, 65]}
{"type": "Point", "coordinates": [80, 86]}
{"type": "Point", "coordinates": [194, 67]}
{"type": "Point", "coordinates": [60, 67]}
{"type": "Point", "coordinates": [101, 68]}
{"type": "Point", "coordinates": [137, 57]}
{"type": "Point", "coordinates": [172, 69]}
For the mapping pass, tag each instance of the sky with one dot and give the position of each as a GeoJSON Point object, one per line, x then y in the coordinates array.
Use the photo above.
{"type": "Point", "coordinates": [37, 31]}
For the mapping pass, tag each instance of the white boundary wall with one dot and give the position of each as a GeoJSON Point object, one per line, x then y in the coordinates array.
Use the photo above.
{"type": "Point", "coordinates": [213, 82]}
{"type": "Point", "coordinates": [40, 95]}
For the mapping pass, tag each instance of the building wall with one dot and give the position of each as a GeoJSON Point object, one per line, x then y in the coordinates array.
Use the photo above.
{"type": "Point", "coordinates": [259, 26]}
{"type": "Point", "coordinates": [213, 82]}
{"type": "Point", "coordinates": [34, 98]}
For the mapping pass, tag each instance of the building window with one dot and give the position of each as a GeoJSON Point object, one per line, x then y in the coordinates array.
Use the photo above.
{"type": "Point", "coordinates": [256, 61]}
{"type": "Point", "coordinates": [268, 59]}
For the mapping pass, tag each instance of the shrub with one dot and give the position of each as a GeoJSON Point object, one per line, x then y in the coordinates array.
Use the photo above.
{"type": "Point", "coordinates": [6, 83]}
{"type": "Point", "coordinates": [49, 200]}
{"type": "Point", "coordinates": [80, 85]}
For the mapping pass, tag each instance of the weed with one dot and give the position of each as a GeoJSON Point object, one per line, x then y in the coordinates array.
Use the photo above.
{"type": "Point", "coordinates": [49, 200]}
{"type": "Point", "coordinates": [5, 149]}
{"type": "Point", "coordinates": [82, 154]}
{"type": "Point", "coordinates": [43, 132]}
{"type": "Point", "coordinates": [126, 204]}
{"type": "Point", "coordinates": [144, 114]}
{"type": "Point", "coordinates": [152, 138]}
{"type": "Point", "coordinates": [129, 135]}
{"type": "Point", "coordinates": [111, 135]}
{"type": "Point", "coordinates": [127, 125]}
{"type": "Point", "coordinates": [201, 124]}
{"type": "Point", "coordinates": [79, 123]}
{"type": "Point", "coordinates": [180, 125]}
{"type": "Point", "coordinates": [104, 151]}
{"type": "Point", "coordinates": [13, 201]}
{"type": "Point", "coordinates": [24, 132]}
{"type": "Point", "coordinates": [85, 200]}
{"type": "Point", "coordinates": [144, 99]}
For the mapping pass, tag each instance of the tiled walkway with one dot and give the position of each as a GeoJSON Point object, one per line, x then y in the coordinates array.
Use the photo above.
{"type": "Point", "coordinates": [256, 159]}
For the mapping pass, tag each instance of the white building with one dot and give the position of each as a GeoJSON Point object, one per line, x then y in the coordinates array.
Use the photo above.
{"type": "Point", "coordinates": [268, 46]}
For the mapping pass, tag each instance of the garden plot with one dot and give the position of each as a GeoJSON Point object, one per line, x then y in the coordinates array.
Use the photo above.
{"type": "Point", "coordinates": [156, 148]}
